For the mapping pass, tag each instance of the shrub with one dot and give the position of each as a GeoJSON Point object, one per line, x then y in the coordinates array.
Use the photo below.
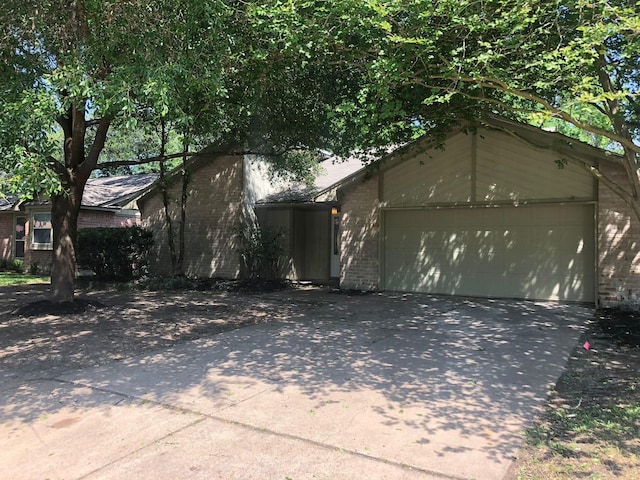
{"type": "Point", "coordinates": [16, 266]}
{"type": "Point", "coordinates": [262, 252]}
{"type": "Point", "coordinates": [34, 268]}
{"type": "Point", "coordinates": [114, 253]}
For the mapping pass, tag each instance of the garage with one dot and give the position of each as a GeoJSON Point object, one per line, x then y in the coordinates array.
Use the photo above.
{"type": "Point", "coordinates": [532, 252]}
{"type": "Point", "coordinates": [496, 212]}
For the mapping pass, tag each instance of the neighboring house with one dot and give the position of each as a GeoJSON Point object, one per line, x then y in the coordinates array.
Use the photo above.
{"type": "Point", "coordinates": [25, 226]}
{"type": "Point", "coordinates": [489, 215]}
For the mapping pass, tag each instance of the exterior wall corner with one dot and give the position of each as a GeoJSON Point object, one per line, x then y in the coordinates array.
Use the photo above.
{"type": "Point", "coordinates": [618, 239]}
{"type": "Point", "coordinates": [360, 236]}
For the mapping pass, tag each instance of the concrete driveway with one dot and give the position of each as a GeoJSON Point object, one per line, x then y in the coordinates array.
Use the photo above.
{"type": "Point", "coordinates": [379, 386]}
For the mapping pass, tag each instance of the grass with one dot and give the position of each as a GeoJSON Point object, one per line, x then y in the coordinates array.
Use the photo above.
{"type": "Point", "coordinates": [595, 443]}
{"type": "Point", "coordinates": [591, 427]}
{"type": "Point", "coordinates": [12, 278]}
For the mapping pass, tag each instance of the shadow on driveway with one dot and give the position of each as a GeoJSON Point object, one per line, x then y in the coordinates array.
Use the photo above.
{"type": "Point", "coordinates": [438, 386]}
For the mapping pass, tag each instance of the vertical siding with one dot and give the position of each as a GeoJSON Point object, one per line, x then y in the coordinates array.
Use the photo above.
{"type": "Point", "coordinates": [500, 169]}
{"type": "Point", "coordinates": [432, 177]}
{"type": "Point", "coordinates": [509, 170]}
{"type": "Point", "coordinates": [317, 229]}
{"type": "Point", "coordinates": [280, 219]}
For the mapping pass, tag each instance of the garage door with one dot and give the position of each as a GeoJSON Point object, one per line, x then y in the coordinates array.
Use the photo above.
{"type": "Point", "coordinates": [532, 252]}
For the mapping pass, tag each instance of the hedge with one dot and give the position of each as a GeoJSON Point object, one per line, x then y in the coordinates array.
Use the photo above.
{"type": "Point", "coordinates": [114, 253]}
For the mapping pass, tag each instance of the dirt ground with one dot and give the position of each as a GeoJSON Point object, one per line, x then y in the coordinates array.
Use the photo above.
{"type": "Point", "coordinates": [573, 439]}
{"type": "Point", "coordinates": [117, 325]}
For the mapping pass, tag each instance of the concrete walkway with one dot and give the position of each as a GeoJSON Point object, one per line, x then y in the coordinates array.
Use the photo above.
{"type": "Point", "coordinates": [441, 389]}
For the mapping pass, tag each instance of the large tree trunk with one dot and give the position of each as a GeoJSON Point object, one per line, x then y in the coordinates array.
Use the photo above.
{"type": "Point", "coordinates": [65, 209]}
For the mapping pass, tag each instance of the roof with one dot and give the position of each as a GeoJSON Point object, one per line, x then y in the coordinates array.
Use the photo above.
{"type": "Point", "coordinates": [115, 191]}
{"type": "Point", "coordinates": [332, 171]}
{"type": "Point", "coordinates": [103, 192]}
{"type": "Point", "coordinates": [8, 203]}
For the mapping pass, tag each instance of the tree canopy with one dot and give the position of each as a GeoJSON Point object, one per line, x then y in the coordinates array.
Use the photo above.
{"type": "Point", "coordinates": [273, 76]}
{"type": "Point", "coordinates": [72, 71]}
{"type": "Point", "coordinates": [427, 65]}
{"type": "Point", "coordinates": [575, 64]}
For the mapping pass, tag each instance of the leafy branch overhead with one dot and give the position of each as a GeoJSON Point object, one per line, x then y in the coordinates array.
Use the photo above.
{"type": "Point", "coordinates": [571, 65]}
{"type": "Point", "coordinates": [76, 74]}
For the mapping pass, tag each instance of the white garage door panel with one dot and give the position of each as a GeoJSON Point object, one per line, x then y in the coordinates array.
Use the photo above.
{"type": "Point", "coordinates": [538, 252]}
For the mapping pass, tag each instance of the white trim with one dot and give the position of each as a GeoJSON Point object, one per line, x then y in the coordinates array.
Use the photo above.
{"type": "Point", "coordinates": [32, 243]}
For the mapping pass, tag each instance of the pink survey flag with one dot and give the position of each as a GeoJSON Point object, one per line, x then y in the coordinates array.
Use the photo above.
{"type": "Point", "coordinates": [587, 345]}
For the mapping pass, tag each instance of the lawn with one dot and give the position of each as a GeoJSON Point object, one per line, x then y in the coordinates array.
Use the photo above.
{"type": "Point", "coordinates": [13, 278]}
{"type": "Point", "coordinates": [591, 428]}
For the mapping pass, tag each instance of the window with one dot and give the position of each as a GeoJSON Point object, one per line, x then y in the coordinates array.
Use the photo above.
{"type": "Point", "coordinates": [42, 232]}
{"type": "Point", "coordinates": [20, 237]}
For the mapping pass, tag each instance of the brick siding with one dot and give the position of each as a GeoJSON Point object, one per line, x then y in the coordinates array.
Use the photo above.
{"type": "Point", "coordinates": [214, 214]}
{"type": "Point", "coordinates": [6, 235]}
{"type": "Point", "coordinates": [618, 246]}
{"type": "Point", "coordinates": [98, 218]}
{"type": "Point", "coordinates": [359, 239]}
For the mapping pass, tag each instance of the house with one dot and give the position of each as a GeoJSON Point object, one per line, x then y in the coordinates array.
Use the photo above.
{"type": "Point", "coordinates": [25, 226]}
{"type": "Point", "coordinates": [229, 192]}
{"type": "Point", "coordinates": [490, 215]}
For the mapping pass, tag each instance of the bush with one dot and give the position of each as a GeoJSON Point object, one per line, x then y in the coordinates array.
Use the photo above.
{"type": "Point", "coordinates": [16, 266]}
{"type": "Point", "coordinates": [114, 253]}
{"type": "Point", "coordinates": [262, 252]}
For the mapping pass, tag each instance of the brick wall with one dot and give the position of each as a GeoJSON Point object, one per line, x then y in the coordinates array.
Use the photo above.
{"type": "Point", "coordinates": [97, 218]}
{"type": "Point", "coordinates": [359, 239]}
{"type": "Point", "coordinates": [618, 246]}
{"type": "Point", "coordinates": [214, 214]}
{"type": "Point", "coordinates": [6, 235]}
{"type": "Point", "coordinates": [42, 257]}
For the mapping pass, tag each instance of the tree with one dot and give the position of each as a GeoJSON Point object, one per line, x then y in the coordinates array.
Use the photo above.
{"type": "Point", "coordinates": [429, 65]}
{"type": "Point", "coordinates": [73, 70]}
{"type": "Point", "coordinates": [575, 63]}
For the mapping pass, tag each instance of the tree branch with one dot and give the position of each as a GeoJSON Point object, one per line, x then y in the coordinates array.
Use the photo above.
{"type": "Point", "coordinates": [56, 166]}
{"type": "Point", "coordinates": [75, 154]}
{"type": "Point", "coordinates": [498, 85]}
{"type": "Point", "coordinates": [144, 161]}
{"type": "Point", "coordinates": [91, 161]}
{"type": "Point", "coordinates": [615, 188]}
{"type": "Point", "coordinates": [615, 113]}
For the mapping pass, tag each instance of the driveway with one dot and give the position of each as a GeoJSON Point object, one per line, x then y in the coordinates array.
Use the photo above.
{"type": "Point", "coordinates": [342, 387]}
